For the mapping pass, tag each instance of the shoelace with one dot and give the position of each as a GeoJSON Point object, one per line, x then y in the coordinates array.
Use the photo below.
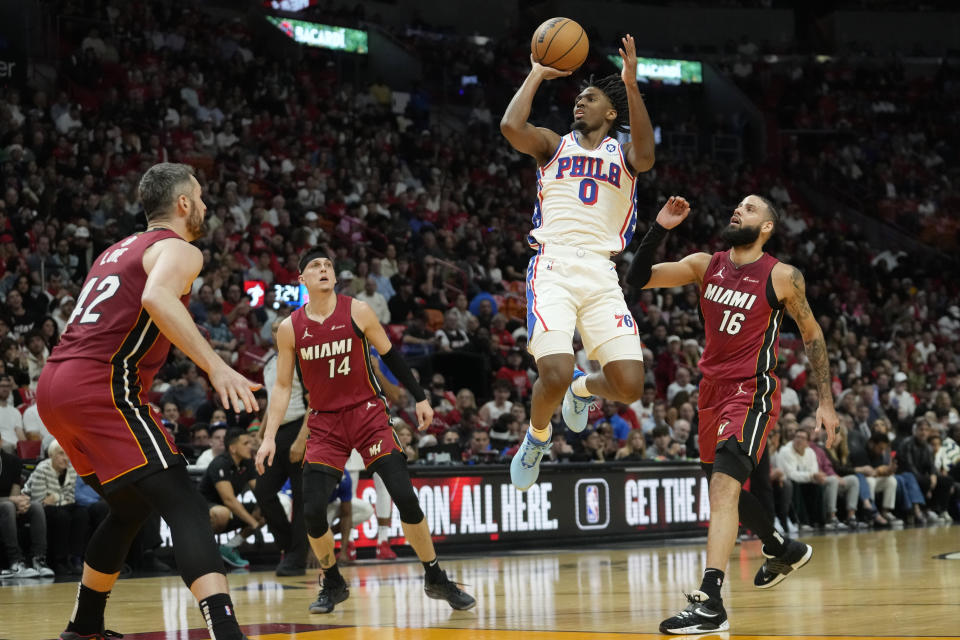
{"type": "Point", "coordinates": [534, 451]}
{"type": "Point", "coordinates": [579, 405]}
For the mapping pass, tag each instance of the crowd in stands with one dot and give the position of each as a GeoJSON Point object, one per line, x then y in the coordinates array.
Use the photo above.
{"type": "Point", "coordinates": [427, 225]}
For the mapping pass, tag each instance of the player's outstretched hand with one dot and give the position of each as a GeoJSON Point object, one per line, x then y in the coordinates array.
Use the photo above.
{"type": "Point", "coordinates": [268, 448]}
{"type": "Point", "coordinates": [424, 414]}
{"type": "Point", "coordinates": [628, 53]}
{"type": "Point", "coordinates": [234, 389]}
{"type": "Point", "coordinates": [827, 419]}
{"type": "Point", "coordinates": [547, 73]}
{"type": "Point", "coordinates": [673, 212]}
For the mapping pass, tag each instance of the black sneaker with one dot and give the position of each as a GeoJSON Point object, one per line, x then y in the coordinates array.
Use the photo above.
{"type": "Point", "coordinates": [776, 568]}
{"type": "Point", "coordinates": [332, 593]}
{"type": "Point", "coordinates": [106, 634]}
{"type": "Point", "coordinates": [289, 566]}
{"type": "Point", "coordinates": [444, 589]}
{"type": "Point", "coordinates": [702, 615]}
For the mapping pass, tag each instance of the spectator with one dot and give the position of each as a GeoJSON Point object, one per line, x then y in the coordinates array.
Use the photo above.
{"type": "Point", "coordinates": [17, 508]}
{"type": "Point", "coordinates": [853, 486]}
{"type": "Point", "coordinates": [375, 299]}
{"type": "Point", "coordinates": [479, 450]}
{"type": "Point", "coordinates": [799, 463]}
{"type": "Point", "coordinates": [914, 457]}
{"type": "Point", "coordinates": [660, 450]}
{"type": "Point", "coordinates": [590, 447]}
{"type": "Point", "coordinates": [53, 484]}
{"type": "Point", "coordinates": [227, 477]}
{"type": "Point", "coordinates": [221, 338]}
{"type": "Point", "coordinates": [450, 336]}
{"type": "Point", "coordinates": [873, 461]}
{"type": "Point", "coordinates": [11, 420]}
{"type": "Point", "coordinates": [500, 404]}
{"type": "Point", "coordinates": [681, 384]}
{"type": "Point", "coordinates": [217, 431]}
{"type": "Point", "coordinates": [634, 450]}
{"type": "Point", "coordinates": [34, 428]}
{"type": "Point", "coordinates": [901, 399]}
{"type": "Point", "coordinates": [612, 416]}
{"type": "Point", "coordinates": [643, 407]}
{"type": "Point", "coordinates": [516, 374]}
{"type": "Point", "coordinates": [188, 391]}
{"type": "Point", "coordinates": [36, 357]}
{"type": "Point", "coordinates": [171, 420]}
{"type": "Point", "coordinates": [682, 436]}
{"type": "Point", "coordinates": [408, 441]}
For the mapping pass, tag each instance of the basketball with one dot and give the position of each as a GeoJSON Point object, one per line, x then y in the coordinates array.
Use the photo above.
{"type": "Point", "coordinates": [560, 43]}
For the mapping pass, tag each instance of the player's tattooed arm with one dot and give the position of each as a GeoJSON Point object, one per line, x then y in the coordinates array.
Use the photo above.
{"type": "Point", "coordinates": [795, 299]}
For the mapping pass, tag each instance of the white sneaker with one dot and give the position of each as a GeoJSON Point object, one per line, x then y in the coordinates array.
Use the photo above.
{"type": "Point", "coordinates": [792, 528]}
{"type": "Point", "coordinates": [18, 570]}
{"type": "Point", "coordinates": [575, 410]}
{"type": "Point", "coordinates": [40, 566]}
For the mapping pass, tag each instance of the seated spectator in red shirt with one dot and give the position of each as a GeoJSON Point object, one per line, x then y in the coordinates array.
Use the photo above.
{"type": "Point", "coordinates": [514, 373]}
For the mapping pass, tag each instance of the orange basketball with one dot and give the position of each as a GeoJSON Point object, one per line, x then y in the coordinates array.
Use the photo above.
{"type": "Point", "coordinates": [560, 43]}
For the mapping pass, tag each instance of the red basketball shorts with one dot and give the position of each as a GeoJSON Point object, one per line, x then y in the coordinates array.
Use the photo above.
{"type": "Point", "coordinates": [364, 427]}
{"type": "Point", "coordinates": [744, 410]}
{"type": "Point", "coordinates": [102, 423]}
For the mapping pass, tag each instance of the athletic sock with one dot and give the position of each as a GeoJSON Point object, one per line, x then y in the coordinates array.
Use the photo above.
{"type": "Point", "coordinates": [87, 618]}
{"type": "Point", "coordinates": [433, 571]}
{"type": "Point", "coordinates": [332, 573]}
{"type": "Point", "coordinates": [755, 517]}
{"type": "Point", "coordinates": [235, 541]}
{"type": "Point", "coordinates": [222, 624]}
{"type": "Point", "coordinates": [540, 434]}
{"type": "Point", "coordinates": [712, 581]}
{"type": "Point", "coordinates": [383, 534]}
{"type": "Point", "coordinates": [579, 387]}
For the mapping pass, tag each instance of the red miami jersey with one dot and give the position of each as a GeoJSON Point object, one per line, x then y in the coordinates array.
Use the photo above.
{"type": "Point", "coordinates": [334, 359]}
{"type": "Point", "coordinates": [742, 318]}
{"type": "Point", "coordinates": [109, 324]}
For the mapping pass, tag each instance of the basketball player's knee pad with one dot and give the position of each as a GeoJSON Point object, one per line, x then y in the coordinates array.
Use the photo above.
{"type": "Point", "coordinates": [619, 348]}
{"type": "Point", "coordinates": [315, 515]}
{"type": "Point", "coordinates": [733, 461]}
{"type": "Point", "coordinates": [318, 485]}
{"type": "Point", "coordinates": [393, 471]}
{"type": "Point", "coordinates": [548, 343]}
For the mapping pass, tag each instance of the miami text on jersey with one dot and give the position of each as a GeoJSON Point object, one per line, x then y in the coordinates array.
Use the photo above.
{"type": "Point", "coordinates": [729, 297]}
{"type": "Point", "coordinates": [327, 349]}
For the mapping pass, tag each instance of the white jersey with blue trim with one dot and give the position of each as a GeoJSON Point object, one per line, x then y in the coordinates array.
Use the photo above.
{"type": "Point", "coordinates": [586, 198]}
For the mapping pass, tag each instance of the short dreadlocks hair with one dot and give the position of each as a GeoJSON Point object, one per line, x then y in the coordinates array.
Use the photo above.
{"type": "Point", "coordinates": [612, 86]}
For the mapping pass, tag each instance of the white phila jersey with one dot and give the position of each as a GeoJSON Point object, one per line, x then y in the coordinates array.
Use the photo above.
{"type": "Point", "coordinates": [586, 198]}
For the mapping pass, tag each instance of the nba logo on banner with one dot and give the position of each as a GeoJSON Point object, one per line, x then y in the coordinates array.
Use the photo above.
{"type": "Point", "coordinates": [592, 503]}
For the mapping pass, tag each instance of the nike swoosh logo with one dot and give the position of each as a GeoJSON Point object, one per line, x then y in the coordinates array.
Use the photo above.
{"type": "Point", "coordinates": [700, 611]}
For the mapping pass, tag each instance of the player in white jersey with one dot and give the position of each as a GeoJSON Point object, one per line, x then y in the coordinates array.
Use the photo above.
{"type": "Point", "coordinates": [585, 213]}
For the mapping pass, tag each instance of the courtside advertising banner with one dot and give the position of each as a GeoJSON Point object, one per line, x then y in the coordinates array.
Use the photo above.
{"type": "Point", "coordinates": [479, 505]}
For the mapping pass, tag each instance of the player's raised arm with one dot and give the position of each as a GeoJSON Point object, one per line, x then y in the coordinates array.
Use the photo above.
{"type": "Point", "coordinates": [640, 150]}
{"type": "Point", "coordinates": [645, 275]}
{"type": "Point", "coordinates": [523, 136]}
{"type": "Point", "coordinates": [172, 265]}
{"type": "Point", "coordinates": [791, 289]}
{"type": "Point", "coordinates": [279, 395]}
{"type": "Point", "coordinates": [367, 320]}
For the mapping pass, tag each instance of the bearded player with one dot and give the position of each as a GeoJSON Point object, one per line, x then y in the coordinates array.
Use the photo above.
{"type": "Point", "coordinates": [743, 295]}
{"type": "Point", "coordinates": [330, 336]}
{"type": "Point", "coordinates": [91, 398]}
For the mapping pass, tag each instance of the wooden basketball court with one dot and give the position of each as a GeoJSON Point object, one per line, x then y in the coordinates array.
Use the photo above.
{"type": "Point", "coordinates": [892, 584]}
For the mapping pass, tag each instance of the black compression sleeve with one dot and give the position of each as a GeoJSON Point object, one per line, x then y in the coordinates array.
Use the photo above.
{"type": "Point", "coordinates": [640, 268]}
{"type": "Point", "coordinates": [399, 367]}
